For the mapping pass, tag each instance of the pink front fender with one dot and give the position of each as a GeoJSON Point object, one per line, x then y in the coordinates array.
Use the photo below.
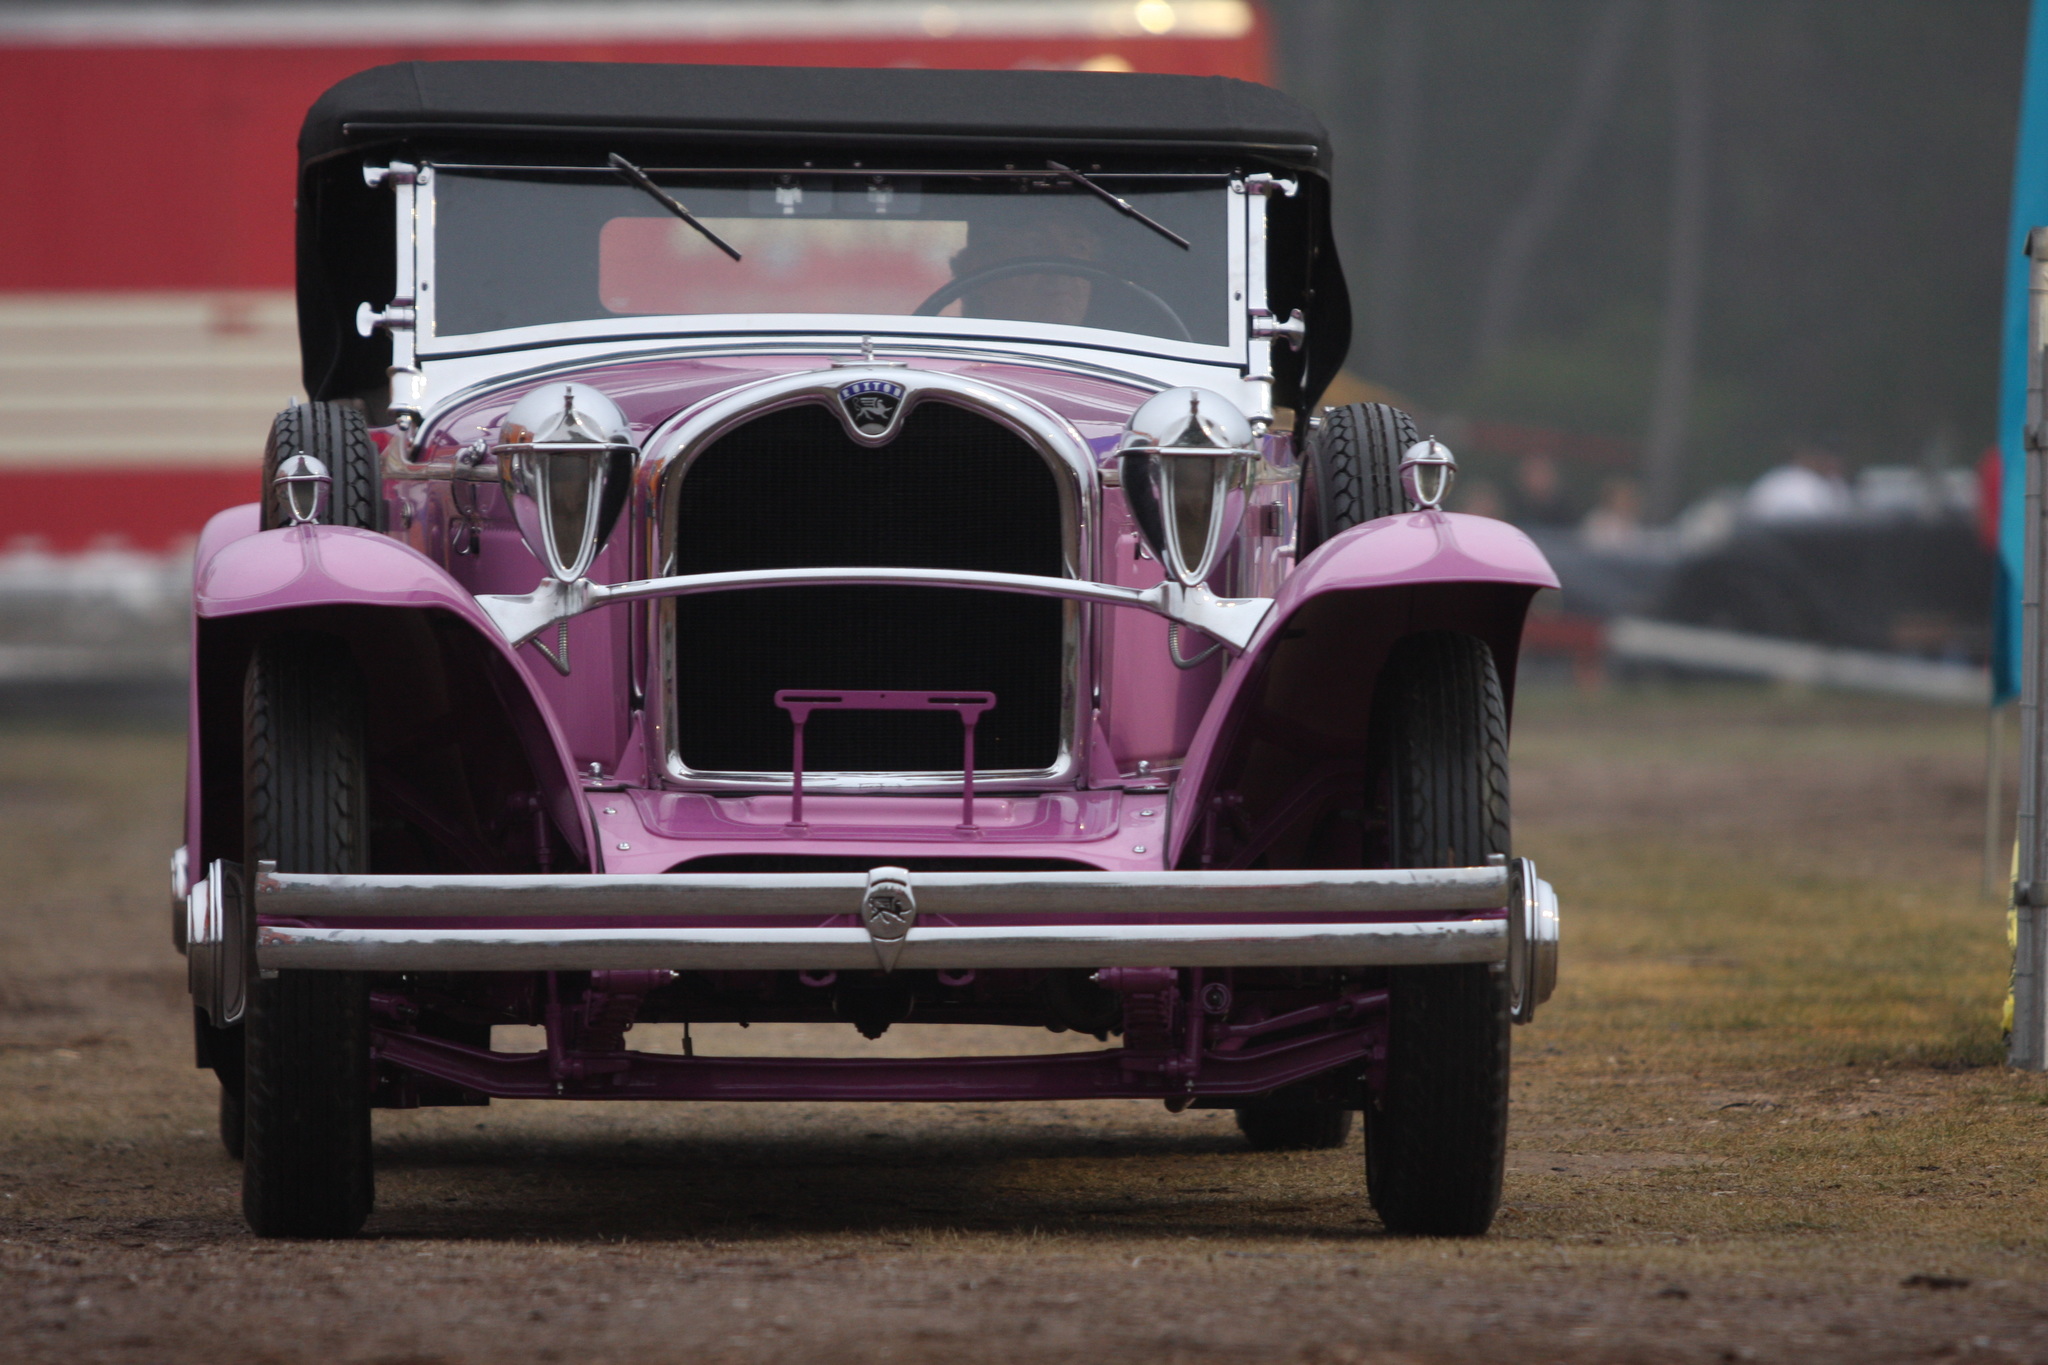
{"type": "Point", "coordinates": [1297, 703]}
{"type": "Point", "coordinates": [322, 566]}
{"type": "Point", "coordinates": [240, 573]}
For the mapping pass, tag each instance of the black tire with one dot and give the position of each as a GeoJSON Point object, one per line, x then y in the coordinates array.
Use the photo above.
{"type": "Point", "coordinates": [1436, 1135]}
{"type": "Point", "coordinates": [1285, 1122]}
{"type": "Point", "coordinates": [1351, 471]}
{"type": "Point", "coordinates": [336, 435]}
{"type": "Point", "coordinates": [231, 1122]}
{"type": "Point", "coordinates": [306, 1169]}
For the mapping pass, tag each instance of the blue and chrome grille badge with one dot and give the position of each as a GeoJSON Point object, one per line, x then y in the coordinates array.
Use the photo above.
{"type": "Point", "coordinates": [872, 405]}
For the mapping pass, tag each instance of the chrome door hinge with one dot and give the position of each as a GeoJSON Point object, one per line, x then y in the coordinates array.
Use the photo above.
{"type": "Point", "coordinates": [1294, 330]}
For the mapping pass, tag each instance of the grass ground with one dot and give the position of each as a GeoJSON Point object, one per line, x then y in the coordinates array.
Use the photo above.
{"type": "Point", "coordinates": [1762, 1119]}
{"type": "Point", "coordinates": [1784, 988]}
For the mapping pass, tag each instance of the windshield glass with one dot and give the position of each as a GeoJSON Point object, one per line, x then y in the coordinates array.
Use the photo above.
{"type": "Point", "coordinates": [516, 250]}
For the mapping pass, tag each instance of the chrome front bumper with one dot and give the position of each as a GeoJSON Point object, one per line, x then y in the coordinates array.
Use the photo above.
{"type": "Point", "coordinates": [886, 918]}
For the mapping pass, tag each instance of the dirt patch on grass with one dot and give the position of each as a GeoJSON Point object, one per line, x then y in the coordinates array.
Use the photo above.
{"type": "Point", "coordinates": [1760, 1121]}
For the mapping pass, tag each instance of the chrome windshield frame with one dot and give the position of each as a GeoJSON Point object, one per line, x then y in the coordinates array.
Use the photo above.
{"type": "Point", "coordinates": [418, 247]}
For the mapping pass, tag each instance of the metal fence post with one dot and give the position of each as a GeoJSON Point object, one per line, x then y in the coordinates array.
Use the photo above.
{"type": "Point", "coordinates": [2029, 1045]}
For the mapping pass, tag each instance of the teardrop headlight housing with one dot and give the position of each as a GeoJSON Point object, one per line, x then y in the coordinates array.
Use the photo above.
{"type": "Point", "coordinates": [1186, 458]}
{"type": "Point", "coordinates": [565, 459]}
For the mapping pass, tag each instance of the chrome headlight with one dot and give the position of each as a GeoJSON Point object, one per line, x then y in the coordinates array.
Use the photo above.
{"type": "Point", "coordinates": [565, 457]}
{"type": "Point", "coordinates": [1186, 458]}
{"type": "Point", "coordinates": [1428, 469]}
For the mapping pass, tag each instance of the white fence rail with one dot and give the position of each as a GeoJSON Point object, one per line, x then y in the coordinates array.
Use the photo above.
{"type": "Point", "coordinates": [1637, 640]}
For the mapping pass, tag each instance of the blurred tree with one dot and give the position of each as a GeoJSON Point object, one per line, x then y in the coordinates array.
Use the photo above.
{"type": "Point", "coordinates": [1528, 226]}
{"type": "Point", "coordinates": [1399, 111]}
{"type": "Point", "coordinates": [1852, 201]}
{"type": "Point", "coordinates": [1685, 249]}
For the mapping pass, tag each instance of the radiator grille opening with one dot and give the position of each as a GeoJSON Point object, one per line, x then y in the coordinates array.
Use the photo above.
{"type": "Point", "coordinates": [790, 490]}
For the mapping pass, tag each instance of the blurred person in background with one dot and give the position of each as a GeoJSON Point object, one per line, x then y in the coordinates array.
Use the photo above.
{"type": "Point", "coordinates": [1808, 487]}
{"type": "Point", "coordinates": [1481, 498]}
{"type": "Point", "coordinates": [1540, 497]}
{"type": "Point", "coordinates": [1616, 524]}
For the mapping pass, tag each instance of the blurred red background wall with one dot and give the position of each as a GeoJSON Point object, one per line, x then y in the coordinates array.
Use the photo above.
{"type": "Point", "coordinates": [146, 227]}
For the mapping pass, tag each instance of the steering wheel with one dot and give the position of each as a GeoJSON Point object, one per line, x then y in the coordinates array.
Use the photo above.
{"type": "Point", "coordinates": [1052, 265]}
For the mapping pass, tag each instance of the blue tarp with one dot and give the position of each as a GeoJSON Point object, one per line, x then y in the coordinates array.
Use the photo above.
{"type": "Point", "coordinates": [2029, 210]}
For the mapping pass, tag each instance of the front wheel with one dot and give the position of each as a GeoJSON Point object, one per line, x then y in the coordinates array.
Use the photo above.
{"type": "Point", "coordinates": [1436, 1138]}
{"type": "Point", "coordinates": [306, 1168]}
{"type": "Point", "coordinates": [1436, 1133]}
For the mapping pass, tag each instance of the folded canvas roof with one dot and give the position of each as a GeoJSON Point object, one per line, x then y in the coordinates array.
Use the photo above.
{"type": "Point", "coordinates": [588, 108]}
{"type": "Point", "coordinates": [1073, 109]}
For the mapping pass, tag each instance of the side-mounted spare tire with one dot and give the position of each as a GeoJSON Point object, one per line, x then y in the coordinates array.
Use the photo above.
{"type": "Point", "coordinates": [336, 435]}
{"type": "Point", "coordinates": [1351, 471]}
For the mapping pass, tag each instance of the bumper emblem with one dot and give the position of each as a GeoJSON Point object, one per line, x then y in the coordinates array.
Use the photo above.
{"type": "Point", "coordinates": [888, 910]}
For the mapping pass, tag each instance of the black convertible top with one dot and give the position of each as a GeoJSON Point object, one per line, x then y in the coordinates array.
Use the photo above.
{"type": "Point", "coordinates": [1071, 109]}
{"type": "Point", "coordinates": [516, 109]}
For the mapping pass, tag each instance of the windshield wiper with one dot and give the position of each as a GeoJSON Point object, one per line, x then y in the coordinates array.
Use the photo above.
{"type": "Point", "coordinates": [637, 178]}
{"type": "Point", "coordinates": [1120, 205]}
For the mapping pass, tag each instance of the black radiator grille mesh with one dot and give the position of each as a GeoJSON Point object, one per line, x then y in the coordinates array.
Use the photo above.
{"type": "Point", "coordinates": [790, 490]}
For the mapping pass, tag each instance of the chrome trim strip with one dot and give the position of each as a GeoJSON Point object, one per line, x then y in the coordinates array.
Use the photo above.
{"type": "Point", "coordinates": [672, 449]}
{"type": "Point", "coordinates": [403, 318]}
{"type": "Point", "coordinates": [1233, 620]}
{"type": "Point", "coordinates": [1433, 890]}
{"type": "Point", "coordinates": [456, 346]}
{"type": "Point", "coordinates": [1258, 351]}
{"type": "Point", "coordinates": [848, 172]}
{"type": "Point", "coordinates": [472, 379]}
{"type": "Point", "coordinates": [1205, 945]}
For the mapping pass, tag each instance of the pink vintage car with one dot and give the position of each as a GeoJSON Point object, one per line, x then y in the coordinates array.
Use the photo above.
{"type": "Point", "coordinates": [804, 545]}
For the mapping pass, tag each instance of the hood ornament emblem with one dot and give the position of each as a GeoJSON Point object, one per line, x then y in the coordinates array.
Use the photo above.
{"type": "Point", "coordinates": [888, 911]}
{"type": "Point", "coordinates": [872, 407]}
